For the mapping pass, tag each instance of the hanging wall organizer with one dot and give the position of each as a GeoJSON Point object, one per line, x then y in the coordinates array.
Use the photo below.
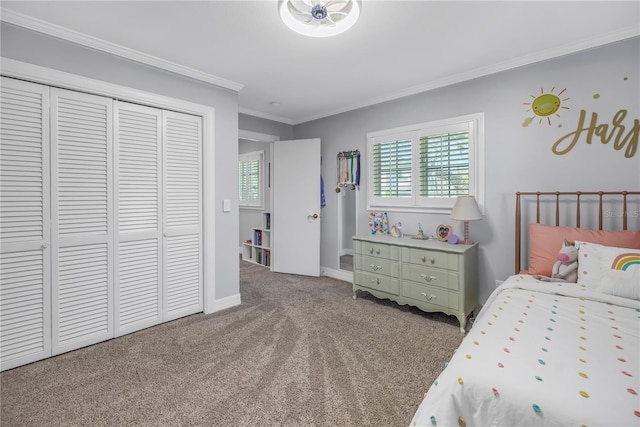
{"type": "Point", "coordinates": [348, 168]}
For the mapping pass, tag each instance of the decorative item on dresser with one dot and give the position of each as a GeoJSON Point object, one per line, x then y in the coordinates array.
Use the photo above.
{"type": "Point", "coordinates": [428, 274]}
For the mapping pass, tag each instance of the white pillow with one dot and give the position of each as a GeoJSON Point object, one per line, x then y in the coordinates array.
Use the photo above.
{"type": "Point", "coordinates": [621, 283]}
{"type": "Point", "coordinates": [594, 260]}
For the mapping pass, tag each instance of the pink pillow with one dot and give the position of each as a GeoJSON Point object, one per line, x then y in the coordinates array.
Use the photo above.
{"type": "Point", "coordinates": [545, 241]}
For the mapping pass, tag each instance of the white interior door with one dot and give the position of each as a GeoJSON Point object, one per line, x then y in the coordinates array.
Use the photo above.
{"type": "Point", "coordinates": [138, 219]}
{"type": "Point", "coordinates": [182, 218]}
{"type": "Point", "coordinates": [82, 219]}
{"type": "Point", "coordinates": [25, 279]}
{"type": "Point", "coordinates": [295, 239]}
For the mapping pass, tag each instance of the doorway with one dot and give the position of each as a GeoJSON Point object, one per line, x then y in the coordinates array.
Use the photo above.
{"type": "Point", "coordinates": [292, 202]}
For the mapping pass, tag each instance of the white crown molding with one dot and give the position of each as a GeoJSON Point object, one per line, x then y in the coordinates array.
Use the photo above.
{"type": "Point", "coordinates": [589, 43]}
{"type": "Point", "coordinates": [256, 136]}
{"type": "Point", "coordinates": [57, 31]}
{"type": "Point", "coordinates": [267, 116]}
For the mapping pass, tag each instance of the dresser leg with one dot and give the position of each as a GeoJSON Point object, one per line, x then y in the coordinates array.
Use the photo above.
{"type": "Point", "coordinates": [463, 323]}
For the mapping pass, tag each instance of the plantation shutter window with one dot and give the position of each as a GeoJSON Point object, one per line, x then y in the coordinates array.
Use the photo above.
{"type": "Point", "coordinates": [250, 171]}
{"type": "Point", "coordinates": [392, 169]}
{"type": "Point", "coordinates": [444, 165]}
{"type": "Point", "coordinates": [425, 167]}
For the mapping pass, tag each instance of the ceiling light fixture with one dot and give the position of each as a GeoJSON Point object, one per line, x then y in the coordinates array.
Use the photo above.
{"type": "Point", "coordinates": [318, 18]}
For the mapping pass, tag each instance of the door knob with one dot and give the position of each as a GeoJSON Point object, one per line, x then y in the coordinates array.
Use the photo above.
{"type": "Point", "coordinates": [314, 216]}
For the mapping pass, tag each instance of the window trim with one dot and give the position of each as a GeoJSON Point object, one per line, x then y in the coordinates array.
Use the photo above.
{"type": "Point", "coordinates": [249, 156]}
{"type": "Point", "coordinates": [475, 123]}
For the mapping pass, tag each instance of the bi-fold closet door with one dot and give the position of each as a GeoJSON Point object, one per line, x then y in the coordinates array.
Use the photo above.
{"type": "Point", "coordinates": [100, 225]}
{"type": "Point", "coordinates": [158, 267]}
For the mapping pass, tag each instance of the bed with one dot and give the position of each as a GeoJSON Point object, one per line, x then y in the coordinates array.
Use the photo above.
{"type": "Point", "coordinates": [544, 352]}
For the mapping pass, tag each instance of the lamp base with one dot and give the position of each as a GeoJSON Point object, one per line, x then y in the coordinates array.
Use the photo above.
{"type": "Point", "coordinates": [467, 240]}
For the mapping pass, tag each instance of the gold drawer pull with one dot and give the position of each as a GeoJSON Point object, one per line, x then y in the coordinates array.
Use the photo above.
{"type": "Point", "coordinates": [428, 297]}
{"type": "Point", "coordinates": [428, 278]}
{"type": "Point", "coordinates": [432, 260]}
{"type": "Point", "coordinates": [375, 267]}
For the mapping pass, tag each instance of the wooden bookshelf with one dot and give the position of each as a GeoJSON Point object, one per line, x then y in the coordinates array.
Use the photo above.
{"type": "Point", "coordinates": [258, 249]}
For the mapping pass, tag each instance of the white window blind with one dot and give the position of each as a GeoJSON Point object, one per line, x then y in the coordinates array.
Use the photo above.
{"type": "Point", "coordinates": [444, 165]}
{"type": "Point", "coordinates": [250, 166]}
{"type": "Point", "coordinates": [392, 169]}
{"type": "Point", "coordinates": [424, 167]}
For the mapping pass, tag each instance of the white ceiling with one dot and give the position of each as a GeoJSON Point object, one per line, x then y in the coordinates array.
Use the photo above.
{"type": "Point", "coordinates": [397, 48]}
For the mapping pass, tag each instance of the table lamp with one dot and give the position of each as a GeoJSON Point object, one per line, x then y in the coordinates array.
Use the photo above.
{"type": "Point", "coordinates": [466, 209]}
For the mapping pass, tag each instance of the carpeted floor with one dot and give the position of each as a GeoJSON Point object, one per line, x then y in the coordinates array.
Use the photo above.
{"type": "Point", "coordinates": [298, 351]}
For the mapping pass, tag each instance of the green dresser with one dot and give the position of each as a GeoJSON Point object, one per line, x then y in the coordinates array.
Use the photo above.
{"type": "Point", "coordinates": [428, 274]}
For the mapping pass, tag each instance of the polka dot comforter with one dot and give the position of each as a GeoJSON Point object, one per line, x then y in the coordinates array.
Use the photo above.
{"type": "Point", "coordinates": [542, 354]}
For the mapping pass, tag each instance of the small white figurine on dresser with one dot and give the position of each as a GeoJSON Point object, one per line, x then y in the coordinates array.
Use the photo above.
{"type": "Point", "coordinates": [396, 230]}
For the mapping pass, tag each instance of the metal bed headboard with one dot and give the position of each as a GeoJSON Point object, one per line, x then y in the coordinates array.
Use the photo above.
{"type": "Point", "coordinates": [564, 196]}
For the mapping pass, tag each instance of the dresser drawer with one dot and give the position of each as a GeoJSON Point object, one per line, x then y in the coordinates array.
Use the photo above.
{"type": "Point", "coordinates": [377, 266]}
{"type": "Point", "coordinates": [378, 283]}
{"type": "Point", "coordinates": [431, 276]}
{"type": "Point", "coordinates": [431, 295]}
{"type": "Point", "coordinates": [379, 250]}
{"type": "Point", "coordinates": [431, 258]}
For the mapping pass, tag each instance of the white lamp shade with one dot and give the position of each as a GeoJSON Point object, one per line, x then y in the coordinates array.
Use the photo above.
{"type": "Point", "coordinates": [466, 209]}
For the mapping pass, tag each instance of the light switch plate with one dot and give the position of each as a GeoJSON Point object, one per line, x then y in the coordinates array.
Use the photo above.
{"type": "Point", "coordinates": [226, 205]}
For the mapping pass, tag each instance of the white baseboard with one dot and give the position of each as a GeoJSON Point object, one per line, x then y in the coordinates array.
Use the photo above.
{"type": "Point", "coordinates": [347, 276]}
{"type": "Point", "coordinates": [224, 303]}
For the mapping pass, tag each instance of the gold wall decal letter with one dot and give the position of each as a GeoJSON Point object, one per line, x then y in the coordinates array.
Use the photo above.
{"type": "Point", "coordinates": [604, 131]}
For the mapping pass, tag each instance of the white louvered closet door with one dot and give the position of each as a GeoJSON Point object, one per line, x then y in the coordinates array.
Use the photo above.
{"type": "Point", "coordinates": [138, 196]}
{"type": "Point", "coordinates": [182, 219]}
{"type": "Point", "coordinates": [25, 280]}
{"type": "Point", "coordinates": [82, 219]}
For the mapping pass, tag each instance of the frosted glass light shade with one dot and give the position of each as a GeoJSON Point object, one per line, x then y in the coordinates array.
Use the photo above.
{"type": "Point", "coordinates": [319, 18]}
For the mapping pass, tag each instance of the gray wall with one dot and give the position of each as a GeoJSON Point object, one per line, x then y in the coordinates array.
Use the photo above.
{"type": "Point", "coordinates": [518, 157]}
{"type": "Point", "coordinates": [31, 47]}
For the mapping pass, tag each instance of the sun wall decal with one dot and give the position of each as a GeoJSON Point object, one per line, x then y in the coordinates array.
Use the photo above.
{"type": "Point", "coordinates": [545, 105]}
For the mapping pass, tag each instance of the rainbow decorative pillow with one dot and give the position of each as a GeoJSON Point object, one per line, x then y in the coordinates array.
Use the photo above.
{"type": "Point", "coordinates": [594, 260]}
